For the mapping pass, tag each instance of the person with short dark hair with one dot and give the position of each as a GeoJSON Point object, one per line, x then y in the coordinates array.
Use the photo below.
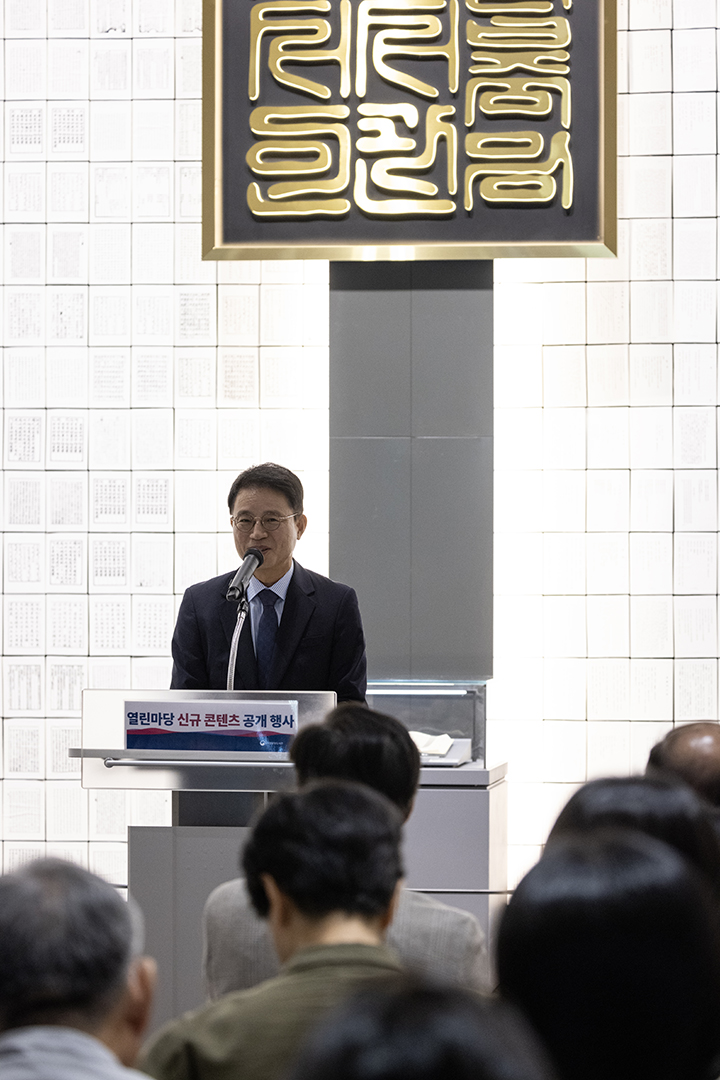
{"type": "Point", "coordinates": [431, 938]}
{"type": "Point", "coordinates": [692, 753]}
{"type": "Point", "coordinates": [75, 996]}
{"type": "Point", "coordinates": [323, 867]}
{"type": "Point", "coordinates": [360, 744]}
{"type": "Point", "coordinates": [660, 806]}
{"type": "Point", "coordinates": [610, 946]}
{"type": "Point", "coordinates": [423, 1032]}
{"type": "Point", "coordinates": [325, 863]}
{"type": "Point", "coordinates": [304, 631]}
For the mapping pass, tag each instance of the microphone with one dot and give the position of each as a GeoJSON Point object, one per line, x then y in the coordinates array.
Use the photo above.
{"type": "Point", "coordinates": [238, 585]}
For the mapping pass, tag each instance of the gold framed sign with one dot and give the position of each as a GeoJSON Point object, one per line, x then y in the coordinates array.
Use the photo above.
{"type": "Point", "coordinates": [409, 129]}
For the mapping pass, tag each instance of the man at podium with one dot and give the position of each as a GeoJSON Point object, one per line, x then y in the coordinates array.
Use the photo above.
{"type": "Point", "coordinates": [303, 631]}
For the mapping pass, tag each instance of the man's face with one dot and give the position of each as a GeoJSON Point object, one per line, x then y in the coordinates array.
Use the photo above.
{"type": "Point", "coordinates": [277, 546]}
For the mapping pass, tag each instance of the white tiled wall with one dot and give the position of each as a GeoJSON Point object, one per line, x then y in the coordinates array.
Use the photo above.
{"type": "Point", "coordinates": [606, 451]}
{"type": "Point", "coordinates": [137, 382]}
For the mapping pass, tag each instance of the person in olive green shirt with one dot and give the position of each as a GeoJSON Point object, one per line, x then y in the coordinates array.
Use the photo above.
{"type": "Point", "coordinates": [323, 866]}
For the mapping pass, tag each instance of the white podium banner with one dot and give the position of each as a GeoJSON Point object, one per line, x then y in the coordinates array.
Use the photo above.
{"type": "Point", "coordinates": [216, 717]}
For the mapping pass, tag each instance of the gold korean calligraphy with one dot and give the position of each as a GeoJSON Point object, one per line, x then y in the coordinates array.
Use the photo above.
{"type": "Point", "coordinates": [409, 108]}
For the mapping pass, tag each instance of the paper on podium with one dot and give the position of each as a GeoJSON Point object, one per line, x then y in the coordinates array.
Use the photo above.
{"type": "Point", "coordinates": [437, 745]}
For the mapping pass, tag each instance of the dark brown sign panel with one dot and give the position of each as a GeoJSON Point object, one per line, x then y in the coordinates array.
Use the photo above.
{"type": "Point", "coordinates": [376, 129]}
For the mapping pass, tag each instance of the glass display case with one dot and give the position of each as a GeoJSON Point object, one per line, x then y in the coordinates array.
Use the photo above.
{"type": "Point", "coordinates": [436, 708]}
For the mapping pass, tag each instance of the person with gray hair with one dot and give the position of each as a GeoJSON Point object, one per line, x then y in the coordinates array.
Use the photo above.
{"type": "Point", "coordinates": [75, 993]}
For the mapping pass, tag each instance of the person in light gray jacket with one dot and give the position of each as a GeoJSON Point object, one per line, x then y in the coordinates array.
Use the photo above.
{"type": "Point", "coordinates": [75, 996]}
{"type": "Point", "coordinates": [432, 938]}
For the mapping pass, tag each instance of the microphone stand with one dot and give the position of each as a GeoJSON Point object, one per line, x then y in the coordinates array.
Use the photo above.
{"type": "Point", "coordinates": [242, 611]}
{"type": "Point", "coordinates": [237, 591]}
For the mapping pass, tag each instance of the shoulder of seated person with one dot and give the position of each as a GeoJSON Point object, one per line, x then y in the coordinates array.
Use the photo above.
{"type": "Point", "coordinates": [411, 898]}
{"type": "Point", "coordinates": [199, 1027]}
{"type": "Point", "coordinates": [418, 903]}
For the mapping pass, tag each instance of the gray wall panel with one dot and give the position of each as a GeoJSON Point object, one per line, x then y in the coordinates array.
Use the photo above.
{"type": "Point", "coordinates": [452, 558]}
{"type": "Point", "coordinates": [411, 516]}
{"type": "Point", "coordinates": [370, 542]}
{"type": "Point", "coordinates": [452, 362]}
{"type": "Point", "coordinates": [370, 376]}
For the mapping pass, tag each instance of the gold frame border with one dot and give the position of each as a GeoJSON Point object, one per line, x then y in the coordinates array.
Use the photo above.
{"type": "Point", "coordinates": [214, 247]}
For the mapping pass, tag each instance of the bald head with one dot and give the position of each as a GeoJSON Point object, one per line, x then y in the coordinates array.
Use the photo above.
{"type": "Point", "coordinates": [692, 752]}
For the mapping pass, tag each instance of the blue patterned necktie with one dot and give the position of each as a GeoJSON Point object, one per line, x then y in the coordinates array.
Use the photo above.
{"type": "Point", "coordinates": [267, 632]}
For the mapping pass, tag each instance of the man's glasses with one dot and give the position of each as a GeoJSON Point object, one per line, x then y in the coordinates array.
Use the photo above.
{"type": "Point", "coordinates": [268, 523]}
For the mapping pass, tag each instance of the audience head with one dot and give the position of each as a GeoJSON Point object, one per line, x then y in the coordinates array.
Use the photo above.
{"type": "Point", "coordinates": [610, 946]}
{"type": "Point", "coordinates": [331, 847]}
{"type": "Point", "coordinates": [659, 806]}
{"type": "Point", "coordinates": [422, 1032]}
{"type": "Point", "coordinates": [691, 752]}
{"type": "Point", "coordinates": [69, 950]}
{"type": "Point", "coordinates": [357, 743]}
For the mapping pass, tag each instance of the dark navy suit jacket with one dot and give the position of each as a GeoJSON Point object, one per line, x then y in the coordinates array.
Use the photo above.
{"type": "Point", "coordinates": [319, 646]}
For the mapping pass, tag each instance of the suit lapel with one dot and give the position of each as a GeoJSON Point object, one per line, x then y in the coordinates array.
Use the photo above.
{"type": "Point", "coordinates": [246, 672]}
{"type": "Point", "coordinates": [299, 606]}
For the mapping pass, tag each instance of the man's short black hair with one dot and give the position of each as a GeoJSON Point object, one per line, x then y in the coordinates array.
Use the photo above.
{"type": "Point", "coordinates": [357, 743]}
{"type": "Point", "coordinates": [330, 847]}
{"type": "Point", "coordinates": [657, 805]}
{"type": "Point", "coordinates": [66, 939]}
{"type": "Point", "coordinates": [272, 476]}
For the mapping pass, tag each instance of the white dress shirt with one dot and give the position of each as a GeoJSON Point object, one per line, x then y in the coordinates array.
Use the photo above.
{"type": "Point", "coordinates": [280, 588]}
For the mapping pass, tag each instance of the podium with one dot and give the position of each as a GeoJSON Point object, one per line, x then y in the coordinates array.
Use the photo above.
{"type": "Point", "coordinates": [455, 839]}
{"type": "Point", "coordinates": [106, 762]}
